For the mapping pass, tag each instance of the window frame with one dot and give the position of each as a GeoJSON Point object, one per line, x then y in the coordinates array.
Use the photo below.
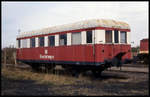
{"type": "Point", "coordinates": [19, 43]}
{"type": "Point", "coordinates": [39, 41]}
{"type": "Point", "coordinates": [65, 39]}
{"type": "Point", "coordinates": [87, 37]}
{"type": "Point", "coordinates": [72, 38]}
{"type": "Point", "coordinates": [24, 43]}
{"type": "Point", "coordinates": [106, 31]}
{"type": "Point", "coordinates": [125, 37]}
{"type": "Point", "coordinates": [49, 41]}
{"type": "Point", "coordinates": [116, 36]}
{"type": "Point", "coordinates": [31, 44]}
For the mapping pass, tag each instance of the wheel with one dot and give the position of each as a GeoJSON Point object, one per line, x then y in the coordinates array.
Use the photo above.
{"type": "Point", "coordinates": [146, 59]}
{"type": "Point", "coordinates": [49, 67]}
{"type": "Point", "coordinates": [97, 73]}
{"type": "Point", "coordinates": [35, 68]}
{"type": "Point", "coordinates": [72, 71]}
{"type": "Point", "coordinates": [75, 73]}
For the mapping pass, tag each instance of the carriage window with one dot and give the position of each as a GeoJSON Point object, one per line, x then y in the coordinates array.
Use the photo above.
{"type": "Point", "coordinates": [88, 36]}
{"type": "Point", "coordinates": [76, 38]}
{"type": "Point", "coordinates": [108, 36]}
{"type": "Point", "coordinates": [63, 39]}
{"type": "Point", "coordinates": [123, 37]}
{"type": "Point", "coordinates": [51, 41]}
{"type": "Point", "coordinates": [32, 42]}
{"type": "Point", "coordinates": [24, 43]}
{"type": "Point", "coordinates": [116, 36]}
{"type": "Point", "coordinates": [19, 43]}
{"type": "Point", "coordinates": [41, 41]}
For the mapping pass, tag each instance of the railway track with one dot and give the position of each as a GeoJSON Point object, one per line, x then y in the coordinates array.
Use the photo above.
{"type": "Point", "coordinates": [131, 69]}
{"type": "Point", "coordinates": [135, 65]}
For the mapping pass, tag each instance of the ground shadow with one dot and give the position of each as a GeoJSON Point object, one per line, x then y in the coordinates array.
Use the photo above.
{"type": "Point", "coordinates": [24, 87]}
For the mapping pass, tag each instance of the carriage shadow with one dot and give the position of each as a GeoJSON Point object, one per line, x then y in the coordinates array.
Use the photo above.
{"type": "Point", "coordinates": [104, 76]}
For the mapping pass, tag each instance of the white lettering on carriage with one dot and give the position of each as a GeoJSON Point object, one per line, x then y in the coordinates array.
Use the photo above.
{"type": "Point", "coordinates": [46, 57]}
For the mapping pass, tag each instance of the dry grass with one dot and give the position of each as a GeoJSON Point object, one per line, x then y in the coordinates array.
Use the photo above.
{"type": "Point", "coordinates": [24, 82]}
{"type": "Point", "coordinates": [40, 78]}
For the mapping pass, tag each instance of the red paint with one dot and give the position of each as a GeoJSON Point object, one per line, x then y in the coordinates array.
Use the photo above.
{"type": "Point", "coordinates": [71, 31]}
{"type": "Point", "coordinates": [82, 53]}
{"type": "Point", "coordinates": [144, 45]}
{"type": "Point", "coordinates": [111, 50]}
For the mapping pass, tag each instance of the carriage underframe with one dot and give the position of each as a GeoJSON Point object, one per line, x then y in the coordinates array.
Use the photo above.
{"type": "Point", "coordinates": [76, 68]}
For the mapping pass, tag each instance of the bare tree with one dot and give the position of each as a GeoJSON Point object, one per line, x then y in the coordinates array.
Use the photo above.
{"type": "Point", "coordinates": [9, 55]}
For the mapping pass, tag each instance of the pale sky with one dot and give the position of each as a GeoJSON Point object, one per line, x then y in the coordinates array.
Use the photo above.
{"type": "Point", "coordinates": [29, 16]}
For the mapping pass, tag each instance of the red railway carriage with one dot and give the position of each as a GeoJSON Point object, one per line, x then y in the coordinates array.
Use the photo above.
{"type": "Point", "coordinates": [143, 55]}
{"type": "Point", "coordinates": [91, 44]}
{"type": "Point", "coordinates": [144, 46]}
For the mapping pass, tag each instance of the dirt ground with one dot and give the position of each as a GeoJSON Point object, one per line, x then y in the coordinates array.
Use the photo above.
{"type": "Point", "coordinates": [113, 82]}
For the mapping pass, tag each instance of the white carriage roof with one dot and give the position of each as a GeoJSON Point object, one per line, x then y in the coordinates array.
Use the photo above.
{"type": "Point", "coordinates": [77, 25]}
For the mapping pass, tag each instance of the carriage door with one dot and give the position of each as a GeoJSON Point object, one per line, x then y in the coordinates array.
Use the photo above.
{"type": "Point", "coordinates": [116, 47]}
{"type": "Point", "coordinates": [109, 44]}
{"type": "Point", "coordinates": [123, 39]}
